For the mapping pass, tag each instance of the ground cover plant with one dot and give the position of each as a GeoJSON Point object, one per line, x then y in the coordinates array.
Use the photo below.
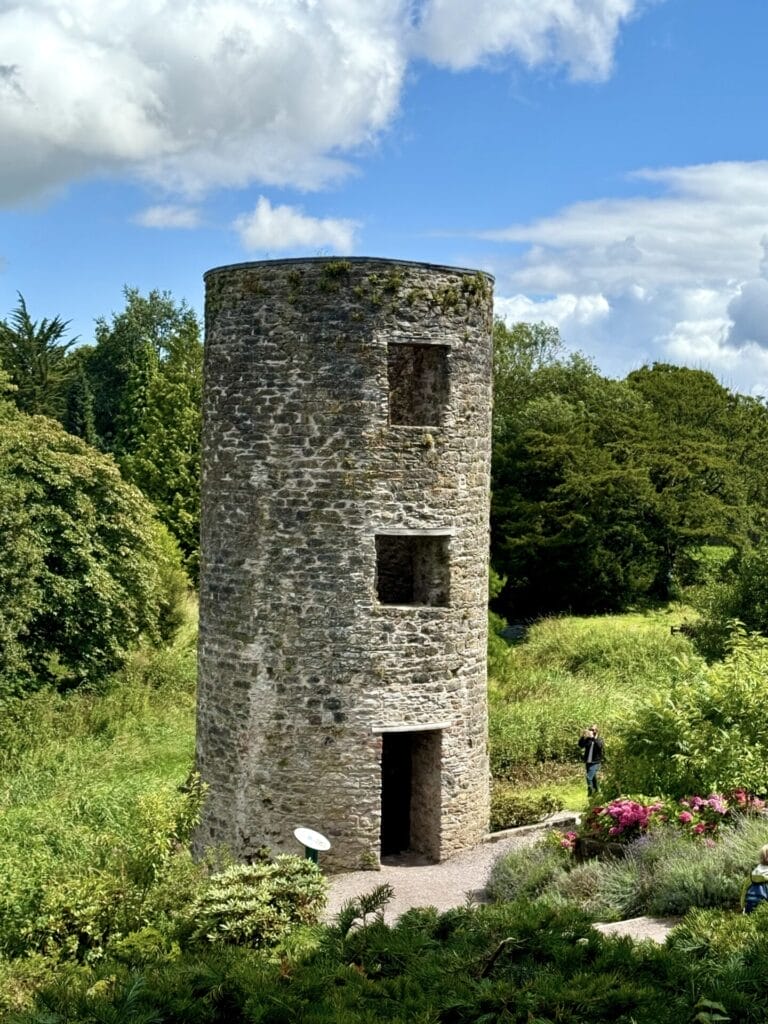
{"type": "Point", "coordinates": [520, 962]}
{"type": "Point", "coordinates": [642, 856]}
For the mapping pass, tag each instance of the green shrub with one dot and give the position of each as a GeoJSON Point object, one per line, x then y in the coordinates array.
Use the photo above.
{"type": "Point", "coordinates": [145, 946]}
{"type": "Point", "coordinates": [664, 873]}
{"type": "Point", "coordinates": [525, 872]}
{"type": "Point", "coordinates": [521, 962]}
{"type": "Point", "coordinates": [510, 808]}
{"type": "Point", "coordinates": [594, 887]}
{"type": "Point", "coordinates": [21, 978]}
{"type": "Point", "coordinates": [706, 731]}
{"type": "Point", "coordinates": [739, 593]}
{"type": "Point", "coordinates": [684, 883]}
{"type": "Point", "coordinates": [703, 565]}
{"type": "Point", "coordinates": [74, 910]}
{"type": "Point", "coordinates": [718, 934]}
{"type": "Point", "coordinates": [256, 904]}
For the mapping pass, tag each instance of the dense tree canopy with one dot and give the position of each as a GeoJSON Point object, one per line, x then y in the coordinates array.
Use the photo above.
{"type": "Point", "coordinates": [85, 568]}
{"type": "Point", "coordinates": [601, 485]}
{"type": "Point", "coordinates": [136, 394]}
{"type": "Point", "coordinates": [145, 375]}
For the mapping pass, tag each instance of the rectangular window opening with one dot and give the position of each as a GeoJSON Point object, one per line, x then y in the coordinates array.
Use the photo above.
{"type": "Point", "coordinates": [418, 384]}
{"type": "Point", "coordinates": [413, 570]}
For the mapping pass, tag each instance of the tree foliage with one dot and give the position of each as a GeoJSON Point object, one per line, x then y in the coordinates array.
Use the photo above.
{"type": "Point", "coordinates": [34, 354]}
{"type": "Point", "coordinates": [78, 416]}
{"type": "Point", "coordinates": [600, 486]}
{"type": "Point", "coordinates": [85, 569]}
{"type": "Point", "coordinates": [145, 373]}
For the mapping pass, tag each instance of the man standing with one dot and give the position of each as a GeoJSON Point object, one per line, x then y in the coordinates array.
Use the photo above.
{"type": "Point", "coordinates": [592, 748]}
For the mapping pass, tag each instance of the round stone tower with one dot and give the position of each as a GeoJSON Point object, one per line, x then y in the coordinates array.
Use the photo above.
{"type": "Point", "coordinates": [343, 592]}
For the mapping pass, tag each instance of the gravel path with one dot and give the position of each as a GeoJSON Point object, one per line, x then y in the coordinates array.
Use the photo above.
{"type": "Point", "coordinates": [449, 884]}
{"type": "Point", "coordinates": [463, 879]}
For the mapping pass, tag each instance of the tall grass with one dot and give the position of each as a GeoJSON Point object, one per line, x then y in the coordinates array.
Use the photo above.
{"type": "Point", "coordinates": [89, 778]}
{"type": "Point", "coordinates": [568, 672]}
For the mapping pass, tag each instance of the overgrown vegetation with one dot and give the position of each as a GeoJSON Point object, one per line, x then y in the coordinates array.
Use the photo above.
{"type": "Point", "coordinates": [93, 821]}
{"type": "Point", "coordinates": [96, 812]}
{"type": "Point", "coordinates": [704, 730]}
{"type": "Point", "coordinates": [567, 672]}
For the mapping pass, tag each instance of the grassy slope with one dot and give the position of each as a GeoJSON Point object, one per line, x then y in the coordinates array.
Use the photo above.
{"type": "Point", "coordinates": [75, 769]}
{"type": "Point", "coordinates": [566, 673]}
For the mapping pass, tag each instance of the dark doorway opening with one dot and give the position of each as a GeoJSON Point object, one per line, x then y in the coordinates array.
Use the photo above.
{"type": "Point", "coordinates": [411, 793]}
{"type": "Point", "coordinates": [395, 793]}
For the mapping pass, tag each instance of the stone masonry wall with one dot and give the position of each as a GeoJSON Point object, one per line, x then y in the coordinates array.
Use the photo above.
{"type": "Point", "coordinates": [301, 665]}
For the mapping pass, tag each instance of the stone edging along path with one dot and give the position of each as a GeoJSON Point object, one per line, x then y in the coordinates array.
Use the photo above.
{"type": "Point", "coordinates": [463, 879]}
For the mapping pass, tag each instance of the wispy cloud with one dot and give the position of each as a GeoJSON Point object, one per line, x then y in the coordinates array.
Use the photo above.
{"type": "Point", "coordinates": [168, 216]}
{"type": "Point", "coordinates": [285, 228]}
{"type": "Point", "coordinates": [577, 34]}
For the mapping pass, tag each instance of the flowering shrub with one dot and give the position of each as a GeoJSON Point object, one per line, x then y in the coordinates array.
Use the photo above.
{"type": "Point", "coordinates": [562, 840]}
{"type": "Point", "coordinates": [702, 814]}
{"type": "Point", "coordinates": [621, 820]}
{"type": "Point", "coordinates": [745, 803]}
{"type": "Point", "coordinates": [624, 819]}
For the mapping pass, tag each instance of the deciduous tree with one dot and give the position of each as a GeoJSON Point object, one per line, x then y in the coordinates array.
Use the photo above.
{"type": "Point", "coordinates": [85, 568]}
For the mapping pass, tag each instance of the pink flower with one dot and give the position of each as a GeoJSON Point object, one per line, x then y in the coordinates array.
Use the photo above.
{"type": "Point", "coordinates": [698, 829]}
{"type": "Point", "coordinates": [685, 817]}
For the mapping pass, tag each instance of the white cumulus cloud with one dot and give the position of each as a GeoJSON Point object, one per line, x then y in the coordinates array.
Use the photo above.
{"type": "Point", "coordinates": [683, 273]}
{"type": "Point", "coordinates": [580, 34]}
{"type": "Point", "coordinates": [561, 310]}
{"type": "Point", "coordinates": [193, 93]}
{"type": "Point", "coordinates": [198, 94]}
{"type": "Point", "coordinates": [280, 228]}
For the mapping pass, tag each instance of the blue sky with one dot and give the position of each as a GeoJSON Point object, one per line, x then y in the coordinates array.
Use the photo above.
{"type": "Point", "coordinates": [605, 159]}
